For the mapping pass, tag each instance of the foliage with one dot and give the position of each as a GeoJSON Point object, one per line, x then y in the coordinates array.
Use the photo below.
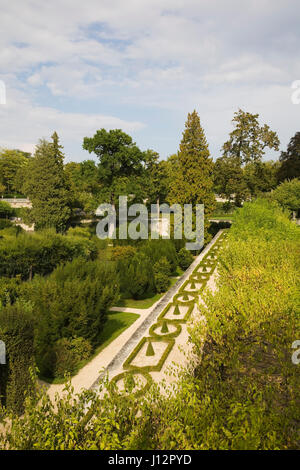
{"type": "Point", "coordinates": [83, 179]}
{"type": "Point", "coordinates": [68, 353]}
{"type": "Point", "coordinates": [290, 160]}
{"type": "Point", "coordinates": [193, 183]}
{"type": "Point", "coordinates": [5, 223]}
{"type": "Point", "coordinates": [155, 250]}
{"type": "Point", "coordinates": [260, 177]}
{"type": "Point", "coordinates": [263, 220]}
{"type": "Point", "coordinates": [155, 178]}
{"type": "Point", "coordinates": [9, 288]}
{"type": "Point", "coordinates": [46, 185]}
{"type": "Point", "coordinates": [79, 232]}
{"type": "Point", "coordinates": [185, 258]}
{"type": "Point", "coordinates": [39, 253]}
{"type": "Point", "coordinates": [229, 179]}
{"type": "Point", "coordinates": [287, 194]}
{"type": "Point", "coordinates": [125, 252]}
{"type": "Point", "coordinates": [162, 282]}
{"type": "Point", "coordinates": [16, 330]}
{"type": "Point", "coordinates": [119, 160]}
{"type": "Point", "coordinates": [95, 286]}
{"type": "Point", "coordinates": [6, 210]}
{"type": "Point", "coordinates": [248, 141]}
{"type": "Point", "coordinates": [162, 266]}
{"type": "Point", "coordinates": [11, 162]}
{"type": "Point", "coordinates": [136, 276]}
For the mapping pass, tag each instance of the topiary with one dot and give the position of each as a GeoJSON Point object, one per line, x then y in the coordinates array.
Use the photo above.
{"type": "Point", "coordinates": [162, 282]}
{"type": "Point", "coordinates": [150, 350]}
{"type": "Point", "coordinates": [185, 258]}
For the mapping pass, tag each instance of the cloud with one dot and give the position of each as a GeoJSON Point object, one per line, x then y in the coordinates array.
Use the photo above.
{"type": "Point", "coordinates": [79, 64]}
{"type": "Point", "coordinates": [23, 124]}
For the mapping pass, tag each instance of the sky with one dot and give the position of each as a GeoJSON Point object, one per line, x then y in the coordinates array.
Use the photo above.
{"type": "Point", "coordinates": [142, 65]}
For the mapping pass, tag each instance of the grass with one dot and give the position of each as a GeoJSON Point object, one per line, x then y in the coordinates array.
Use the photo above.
{"type": "Point", "coordinates": [116, 323]}
{"type": "Point", "coordinates": [149, 301]}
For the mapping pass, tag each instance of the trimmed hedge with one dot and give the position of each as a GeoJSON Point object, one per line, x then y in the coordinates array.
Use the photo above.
{"type": "Point", "coordinates": [39, 253]}
{"type": "Point", "coordinates": [17, 332]}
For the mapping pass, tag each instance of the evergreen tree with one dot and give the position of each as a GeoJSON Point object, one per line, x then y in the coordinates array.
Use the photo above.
{"type": "Point", "coordinates": [193, 183]}
{"type": "Point", "coordinates": [46, 186]}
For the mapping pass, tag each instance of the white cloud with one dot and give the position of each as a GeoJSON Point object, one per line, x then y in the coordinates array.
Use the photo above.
{"type": "Point", "coordinates": [148, 55]}
{"type": "Point", "coordinates": [23, 124]}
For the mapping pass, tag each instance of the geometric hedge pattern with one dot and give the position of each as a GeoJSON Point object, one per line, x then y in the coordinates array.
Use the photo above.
{"type": "Point", "coordinates": [152, 351]}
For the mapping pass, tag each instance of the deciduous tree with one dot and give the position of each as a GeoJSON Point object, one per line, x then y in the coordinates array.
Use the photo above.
{"type": "Point", "coordinates": [248, 140]}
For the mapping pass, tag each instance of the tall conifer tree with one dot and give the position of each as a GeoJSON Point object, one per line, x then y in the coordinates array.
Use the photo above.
{"type": "Point", "coordinates": [46, 186]}
{"type": "Point", "coordinates": [193, 181]}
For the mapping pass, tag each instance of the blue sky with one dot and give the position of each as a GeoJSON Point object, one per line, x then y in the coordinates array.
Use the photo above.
{"type": "Point", "coordinates": [142, 65]}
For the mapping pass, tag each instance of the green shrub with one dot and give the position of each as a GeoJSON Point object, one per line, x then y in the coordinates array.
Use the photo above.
{"type": "Point", "coordinates": [16, 330]}
{"type": "Point", "coordinates": [262, 220]}
{"type": "Point", "coordinates": [162, 282]}
{"type": "Point", "coordinates": [5, 223]}
{"type": "Point", "coordinates": [71, 302]}
{"type": "Point", "coordinates": [68, 353]}
{"type": "Point", "coordinates": [9, 288]}
{"type": "Point", "coordinates": [185, 258]}
{"type": "Point", "coordinates": [155, 250]}
{"type": "Point", "coordinates": [136, 276]}
{"type": "Point", "coordinates": [78, 232]}
{"type": "Point", "coordinates": [6, 210]}
{"type": "Point", "coordinates": [162, 266]}
{"type": "Point", "coordinates": [125, 252]}
{"type": "Point", "coordinates": [39, 253]}
{"type": "Point", "coordinates": [287, 194]}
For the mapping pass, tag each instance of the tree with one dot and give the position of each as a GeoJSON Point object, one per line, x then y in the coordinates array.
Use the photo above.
{"type": "Point", "coordinates": [119, 160]}
{"type": "Point", "coordinates": [287, 194]}
{"type": "Point", "coordinates": [260, 176]}
{"type": "Point", "coordinates": [84, 182]}
{"type": "Point", "coordinates": [248, 140]}
{"type": "Point", "coordinates": [229, 179]}
{"type": "Point", "coordinates": [11, 161]}
{"type": "Point", "coordinates": [290, 160]}
{"type": "Point", "coordinates": [193, 181]}
{"type": "Point", "coordinates": [47, 187]}
{"type": "Point", "coordinates": [155, 178]}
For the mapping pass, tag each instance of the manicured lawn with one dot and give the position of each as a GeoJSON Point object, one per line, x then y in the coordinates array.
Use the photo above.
{"type": "Point", "coordinates": [116, 323]}
{"type": "Point", "coordinates": [149, 301]}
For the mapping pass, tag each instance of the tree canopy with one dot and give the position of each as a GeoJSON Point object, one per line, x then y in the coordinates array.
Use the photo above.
{"type": "Point", "coordinates": [248, 140]}
{"type": "Point", "coordinates": [193, 179]}
{"type": "Point", "coordinates": [119, 160]}
{"type": "Point", "coordinates": [11, 161]}
{"type": "Point", "coordinates": [46, 185]}
{"type": "Point", "coordinates": [290, 160]}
